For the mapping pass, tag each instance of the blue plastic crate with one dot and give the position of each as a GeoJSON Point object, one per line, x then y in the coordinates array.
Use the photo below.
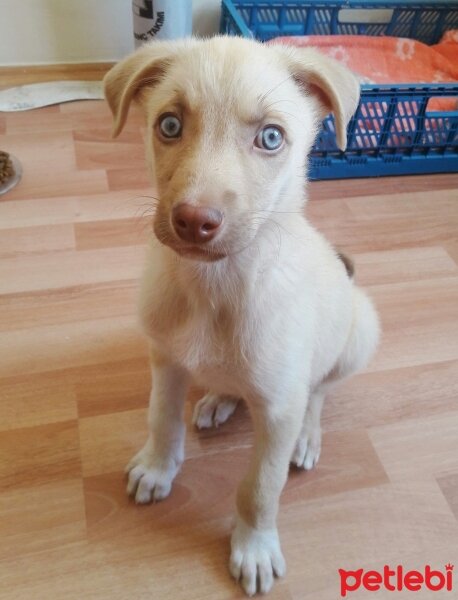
{"type": "Point", "coordinates": [392, 133]}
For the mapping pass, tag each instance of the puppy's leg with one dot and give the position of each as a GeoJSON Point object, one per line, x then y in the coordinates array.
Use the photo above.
{"type": "Point", "coordinates": [308, 446]}
{"type": "Point", "coordinates": [360, 346]}
{"type": "Point", "coordinates": [152, 471]}
{"type": "Point", "coordinates": [256, 555]}
{"type": "Point", "coordinates": [363, 339]}
{"type": "Point", "coordinates": [213, 410]}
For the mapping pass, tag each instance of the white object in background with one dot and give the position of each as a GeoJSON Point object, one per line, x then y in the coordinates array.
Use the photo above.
{"type": "Point", "coordinates": [161, 19]}
{"type": "Point", "coordinates": [37, 95]}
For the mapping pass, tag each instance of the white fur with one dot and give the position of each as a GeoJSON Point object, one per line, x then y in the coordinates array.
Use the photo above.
{"type": "Point", "coordinates": [274, 318]}
{"type": "Point", "coordinates": [255, 554]}
{"type": "Point", "coordinates": [213, 410]}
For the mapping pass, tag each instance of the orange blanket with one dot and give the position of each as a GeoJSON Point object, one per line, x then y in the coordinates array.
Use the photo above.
{"type": "Point", "coordinates": [391, 60]}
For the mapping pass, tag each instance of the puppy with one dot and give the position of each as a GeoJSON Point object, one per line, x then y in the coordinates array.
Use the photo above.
{"type": "Point", "coordinates": [240, 294]}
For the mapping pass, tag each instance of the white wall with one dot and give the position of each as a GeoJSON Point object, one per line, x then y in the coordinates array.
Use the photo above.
{"type": "Point", "coordinates": [64, 31]}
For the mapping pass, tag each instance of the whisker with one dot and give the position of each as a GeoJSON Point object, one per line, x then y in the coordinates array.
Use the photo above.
{"type": "Point", "coordinates": [264, 96]}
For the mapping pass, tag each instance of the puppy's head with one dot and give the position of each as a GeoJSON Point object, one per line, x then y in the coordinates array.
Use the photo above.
{"type": "Point", "coordinates": [229, 125]}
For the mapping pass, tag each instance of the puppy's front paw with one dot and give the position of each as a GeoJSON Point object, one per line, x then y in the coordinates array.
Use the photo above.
{"type": "Point", "coordinates": [213, 410]}
{"type": "Point", "coordinates": [150, 479]}
{"type": "Point", "coordinates": [308, 448]}
{"type": "Point", "coordinates": [256, 558]}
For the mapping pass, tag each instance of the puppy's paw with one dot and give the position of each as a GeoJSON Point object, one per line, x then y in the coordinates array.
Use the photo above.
{"type": "Point", "coordinates": [308, 448]}
{"type": "Point", "coordinates": [256, 558]}
{"type": "Point", "coordinates": [150, 479]}
{"type": "Point", "coordinates": [213, 410]}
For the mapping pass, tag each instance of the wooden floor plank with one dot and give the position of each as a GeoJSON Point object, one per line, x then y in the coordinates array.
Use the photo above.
{"type": "Point", "coordinates": [38, 399]}
{"type": "Point", "coordinates": [23, 75]}
{"type": "Point", "coordinates": [28, 240]}
{"type": "Point", "coordinates": [69, 268]}
{"type": "Point", "coordinates": [41, 517]}
{"type": "Point", "coordinates": [120, 232]}
{"type": "Point", "coordinates": [39, 455]}
{"type": "Point", "coordinates": [70, 345]}
{"type": "Point", "coordinates": [24, 310]}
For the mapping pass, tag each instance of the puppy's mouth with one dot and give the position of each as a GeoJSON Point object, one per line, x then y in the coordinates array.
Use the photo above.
{"type": "Point", "coordinates": [197, 252]}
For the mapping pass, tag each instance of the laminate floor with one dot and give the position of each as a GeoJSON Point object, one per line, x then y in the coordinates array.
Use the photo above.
{"type": "Point", "coordinates": [74, 383]}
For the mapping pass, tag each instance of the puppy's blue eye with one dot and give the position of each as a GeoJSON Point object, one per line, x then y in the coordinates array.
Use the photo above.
{"type": "Point", "coordinates": [170, 126]}
{"type": "Point", "coordinates": [270, 138]}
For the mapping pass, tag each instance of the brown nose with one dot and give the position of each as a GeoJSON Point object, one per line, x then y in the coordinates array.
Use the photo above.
{"type": "Point", "coordinates": [196, 224]}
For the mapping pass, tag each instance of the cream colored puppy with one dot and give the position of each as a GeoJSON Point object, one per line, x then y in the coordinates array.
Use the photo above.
{"type": "Point", "coordinates": [240, 294]}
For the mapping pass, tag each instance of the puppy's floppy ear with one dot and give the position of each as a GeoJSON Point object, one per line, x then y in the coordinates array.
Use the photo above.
{"type": "Point", "coordinates": [336, 87]}
{"type": "Point", "coordinates": [146, 66]}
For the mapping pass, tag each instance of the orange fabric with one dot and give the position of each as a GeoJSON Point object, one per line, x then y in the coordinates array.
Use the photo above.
{"type": "Point", "coordinates": [391, 60]}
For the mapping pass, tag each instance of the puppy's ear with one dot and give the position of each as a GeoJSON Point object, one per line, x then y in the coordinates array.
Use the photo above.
{"type": "Point", "coordinates": [336, 87]}
{"type": "Point", "coordinates": [144, 67]}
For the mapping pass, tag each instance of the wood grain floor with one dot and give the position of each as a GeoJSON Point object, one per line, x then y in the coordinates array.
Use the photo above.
{"type": "Point", "coordinates": [74, 383]}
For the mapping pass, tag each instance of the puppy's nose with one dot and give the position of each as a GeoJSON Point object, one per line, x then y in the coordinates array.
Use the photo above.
{"type": "Point", "coordinates": [196, 224]}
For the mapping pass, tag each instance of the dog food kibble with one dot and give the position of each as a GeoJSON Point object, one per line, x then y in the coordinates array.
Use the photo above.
{"type": "Point", "coordinates": [6, 167]}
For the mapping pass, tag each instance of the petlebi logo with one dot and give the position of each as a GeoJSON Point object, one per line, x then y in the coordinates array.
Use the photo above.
{"type": "Point", "coordinates": [396, 580]}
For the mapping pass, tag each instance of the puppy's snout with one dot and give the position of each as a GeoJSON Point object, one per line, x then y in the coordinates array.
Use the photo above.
{"type": "Point", "coordinates": [196, 224]}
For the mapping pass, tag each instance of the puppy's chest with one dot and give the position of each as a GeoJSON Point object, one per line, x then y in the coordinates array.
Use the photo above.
{"type": "Point", "coordinates": [209, 344]}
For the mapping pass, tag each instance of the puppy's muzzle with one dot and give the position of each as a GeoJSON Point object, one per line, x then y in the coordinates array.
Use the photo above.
{"type": "Point", "coordinates": [196, 224]}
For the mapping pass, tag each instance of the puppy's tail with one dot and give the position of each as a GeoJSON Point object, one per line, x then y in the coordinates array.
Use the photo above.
{"type": "Point", "coordinates": [348, 264]}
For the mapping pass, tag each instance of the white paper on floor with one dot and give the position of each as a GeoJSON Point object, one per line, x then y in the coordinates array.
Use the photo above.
{"type": "Point", "coordinates": [37, 95]}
